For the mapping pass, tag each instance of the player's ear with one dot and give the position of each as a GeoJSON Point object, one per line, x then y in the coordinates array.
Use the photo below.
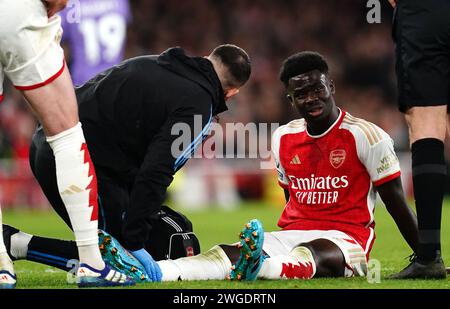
{"type": "Point", "coordinates": [332, 87]}
{"type": "Point", "coordinates": [290, 98]}
{"type": "Point", "coordinates": [231, 93]}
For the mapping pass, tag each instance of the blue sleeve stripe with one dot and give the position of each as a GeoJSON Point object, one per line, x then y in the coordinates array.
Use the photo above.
{"type": "Point", "coordinates": [194, 144]}
{"type": "Point", "coordinates": [206, 128]}
{"type": "Point", "coordinates": [196, 141]}
{"type": "Point", "coordinates": [185, 156]}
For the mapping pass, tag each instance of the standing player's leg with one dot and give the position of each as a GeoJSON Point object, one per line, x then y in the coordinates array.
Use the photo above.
{"type": "Point", "coordinates": [42, 164]}
{"type": "Point", "coordinates": [429, 176]}
{"type": "Point", "coordinates": [423, 73]}
{"type": "Point", "coordinates": [61, 253]}
{"type": "Point", "coordinates": [34, 61]}
{"type": "Point", "coordinates": [7, 276]}
{"type": "Point", "coordinates": [112, 196]}
{"type": "Point", "coordinates": [55, 106]}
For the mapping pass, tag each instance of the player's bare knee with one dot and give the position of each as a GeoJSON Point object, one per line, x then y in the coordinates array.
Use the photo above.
{"type": "Point", "coordinates": [427, 122]}
{"type": "Point", "coordinates": [232, 252]}
{"type": "Point", "coordinates": [329, 259]}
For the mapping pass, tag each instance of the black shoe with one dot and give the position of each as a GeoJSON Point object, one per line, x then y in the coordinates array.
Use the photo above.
{"type": "Point", "coordinates": [8, 231]}
{"type": "Point", "coordinates": [415, 270]}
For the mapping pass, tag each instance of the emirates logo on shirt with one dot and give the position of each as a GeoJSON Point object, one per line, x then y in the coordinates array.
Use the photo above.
{"type": "Point", "coordinates": [317, 190]}
{"type": "Point", "coordinates": [337, 157]}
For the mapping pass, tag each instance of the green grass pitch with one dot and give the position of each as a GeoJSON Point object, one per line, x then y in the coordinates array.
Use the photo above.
{"type": "Point", "coordinates": [218, 226]}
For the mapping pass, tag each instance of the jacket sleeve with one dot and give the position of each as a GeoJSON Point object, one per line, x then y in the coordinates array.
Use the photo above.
{"type": "Point", "coordinates": [168, 151]}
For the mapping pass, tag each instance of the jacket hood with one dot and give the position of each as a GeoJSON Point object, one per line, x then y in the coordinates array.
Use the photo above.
{"type": "Point", "coordinates": [197, 69]}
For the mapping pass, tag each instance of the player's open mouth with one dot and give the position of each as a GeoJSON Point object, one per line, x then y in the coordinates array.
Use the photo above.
{"type": "Point", "coordinates": [315, 111]}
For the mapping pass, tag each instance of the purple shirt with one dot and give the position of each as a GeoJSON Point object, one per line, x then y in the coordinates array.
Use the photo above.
{"type": "Point", "coordinates": [95, 31]}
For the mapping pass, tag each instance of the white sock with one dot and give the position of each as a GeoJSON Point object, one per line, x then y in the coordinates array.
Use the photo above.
{"type": "Point", "coordinates": [2, 244]}
{"type": "Point", "coordinates": [77, 184]}
{"type": "Point", "coordinates": [6, 263]}
{"type": "Point", "coordinates": [19, 245]}
{"type": "Point", "coordinates": [298, 264]}
{"type": "Point", "coordinates": [211, 265]}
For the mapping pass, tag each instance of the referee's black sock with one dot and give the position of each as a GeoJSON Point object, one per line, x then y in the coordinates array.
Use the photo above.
{"type": "Point", "coordinates": [62, 254]}
{"type": "Point", "coordinates": [429, 176]}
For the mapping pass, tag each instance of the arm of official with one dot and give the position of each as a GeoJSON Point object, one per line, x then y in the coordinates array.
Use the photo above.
{"type": "Point", "coordinates": [162, 160]}
{"type": "Point", "coordinates": [392, 195]}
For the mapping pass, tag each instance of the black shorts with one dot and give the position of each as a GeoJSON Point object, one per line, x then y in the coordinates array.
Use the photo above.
{"type": "Point", "coordinates": [421, 30]}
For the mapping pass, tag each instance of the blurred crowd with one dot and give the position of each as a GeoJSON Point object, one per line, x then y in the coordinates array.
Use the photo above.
{"type": "Point", "coordinates": [361, 57]}
{"type": "Point", "coordinates": [360, 54]}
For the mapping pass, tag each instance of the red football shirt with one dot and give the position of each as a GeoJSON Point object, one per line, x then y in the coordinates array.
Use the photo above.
{"type": "Point", "coordinates": [332, 177]}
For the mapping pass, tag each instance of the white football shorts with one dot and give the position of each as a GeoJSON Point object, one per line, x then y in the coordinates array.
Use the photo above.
{"type": "Point", "coordinates": [282, 242]}
{"type": "Point", "coordinates": [30, 52]}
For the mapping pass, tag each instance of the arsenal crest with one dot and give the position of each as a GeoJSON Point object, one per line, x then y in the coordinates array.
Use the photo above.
{"type": "Point", "coordinates": [189, 251]}
{"type": "Point", "coordinates": [337, 157]}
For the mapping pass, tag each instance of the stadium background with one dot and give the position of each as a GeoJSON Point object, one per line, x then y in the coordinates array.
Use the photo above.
{"type": "Point", "coordinates": [220, 195]}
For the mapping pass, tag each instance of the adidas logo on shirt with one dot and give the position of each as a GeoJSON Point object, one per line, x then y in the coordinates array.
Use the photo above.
{"type": "Point", "coordinates": [296, 160]}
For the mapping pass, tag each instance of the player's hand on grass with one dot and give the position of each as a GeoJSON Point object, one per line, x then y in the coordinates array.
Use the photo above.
{"type": "Point", "coordinates": [54, 6]}
{"type": "Point", "coordinates": [151, 267]}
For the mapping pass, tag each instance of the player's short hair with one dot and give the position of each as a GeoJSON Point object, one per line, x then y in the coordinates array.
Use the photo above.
{"type": "Point", "coordinates": [237, 63]}
{"type": "Point", "coordinates": [300, 63]}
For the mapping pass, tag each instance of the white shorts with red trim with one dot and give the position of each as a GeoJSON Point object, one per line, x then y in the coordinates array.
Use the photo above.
{"type": "Point", "coordinates": [283, 242]}
{"type": "Point", "coordinates": [30, 52]}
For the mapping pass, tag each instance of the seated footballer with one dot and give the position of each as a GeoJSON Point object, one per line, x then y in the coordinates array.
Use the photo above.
{"type": "Point", "coordinates": [330, 165]}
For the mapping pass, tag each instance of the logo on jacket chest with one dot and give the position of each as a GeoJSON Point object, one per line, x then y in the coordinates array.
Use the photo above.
{"type": "Point", "coordinates": [337, 158]}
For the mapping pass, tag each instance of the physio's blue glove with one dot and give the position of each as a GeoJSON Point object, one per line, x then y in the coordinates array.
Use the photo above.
{"type": "Point", "coordinates": [151, 267]}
